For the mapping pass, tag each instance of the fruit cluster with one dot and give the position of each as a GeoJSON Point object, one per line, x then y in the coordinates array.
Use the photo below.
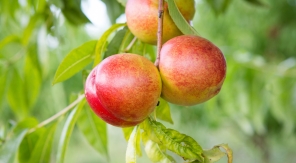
{"type": "Point", "coordinates": [125, 88]}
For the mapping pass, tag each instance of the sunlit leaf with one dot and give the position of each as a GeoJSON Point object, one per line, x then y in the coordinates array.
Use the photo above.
{"type": "Point", "coordinates": [154, 151]}
{"type": "Point", "coordinates": [9, 149]}
{"type": "Point", "coordinates": [8, 39]}
{"type": "Point", "coordinates": [74, 6]}
{"type": "Point", "coordinates": [67, 131]}
{"type": "Point", "coordinates": [163, 111]}
{"type": "Point", "coordinates": [179, 20]}
{"type": "Point", "coordinates": [123, 2]}
{"type": "Point", "coordinates": [43, 148]}
{"type": "Point", "coordinates": [75, 61]}
{"type": "Point", "coordinates": [114, 45]}
{"type": "Point", "coordinates": [179, 143]}
{"type": "Point", "coordinates": [94, 130]}
{"type": "Point", "coordinates": [101, 44]}
{"type": "Point", "coordinates": [127, 131]}
{"type": "Point", "coordinates": [133, 146]}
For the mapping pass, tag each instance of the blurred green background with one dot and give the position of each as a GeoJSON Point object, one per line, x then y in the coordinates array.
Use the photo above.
{"type": "Point", "coordinates": [255, 112]}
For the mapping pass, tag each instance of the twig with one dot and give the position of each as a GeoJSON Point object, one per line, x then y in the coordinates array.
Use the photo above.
{"type": "Point", "coordinates": [159, 31]}
{"type": "Point", "coordinates": [57, 115]}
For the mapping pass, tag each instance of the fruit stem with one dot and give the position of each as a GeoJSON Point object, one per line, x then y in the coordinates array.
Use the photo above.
{"type": "Point", "coordinates": [159, 31]}
{"type": "Point", "coordinates": [57, 115]}
{"type": "Point", "coordinates": [130, 45]}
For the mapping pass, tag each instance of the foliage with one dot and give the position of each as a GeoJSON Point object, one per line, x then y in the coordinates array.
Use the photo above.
{"type": "Point", "coordinates": [45, 42]}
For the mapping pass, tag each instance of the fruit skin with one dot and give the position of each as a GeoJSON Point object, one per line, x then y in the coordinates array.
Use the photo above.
{"type": "Point", "coordinates": [95, 104]}
{"type": "Point", "coordinates": [123, 89]}
{"type": "Point", "coordinates": [142, 19]}
{"type": "Point", "coordinates": [192, 70]}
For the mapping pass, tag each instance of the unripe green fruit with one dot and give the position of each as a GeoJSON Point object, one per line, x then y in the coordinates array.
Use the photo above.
{"type": "Point", "coordinates": [192, 70]}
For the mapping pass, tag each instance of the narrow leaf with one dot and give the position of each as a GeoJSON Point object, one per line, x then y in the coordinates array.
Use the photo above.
{"type": "Point", "coordinates": [74, 6]}
{"type": "Point", "coordinates": [133, 146]}
{"type": "Point", "coordinates": [101, 44]}
{"type": "Point", "coordinates": [163, 111]}
{"type": "Point", "coordinates": [94, 130]}
{"type": "Point", "coordinates": [114, 45]}
{"type": "Point", "coordinates": [32, 77]}
{"type": "Point", "coordinates": [127, 131]}
{"type": "Point", "coordinates": [75, 61]}
{"type": "Point", "coordinates": [16, 95]}
{"type": "Point", "coordinates": [179, 20]}
{"type": "Point", "coordinates": [67, 131]}
{"type": "Point", "coordinates": [28, 145]}
{"type": "Point", "coordinates": [42, 150]}
{"type": "Point", "coordinates": [8, 150]}
{"type": "Point", "coordinates": [181, 144]}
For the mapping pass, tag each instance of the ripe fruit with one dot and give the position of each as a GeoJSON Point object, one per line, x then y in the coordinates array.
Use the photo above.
{"type": "Point", "coordinates": [123, 89]}
{"type": "Point", "coordinates": [142, 19]}
{"type": "Point", "coordinates": [192, 70]}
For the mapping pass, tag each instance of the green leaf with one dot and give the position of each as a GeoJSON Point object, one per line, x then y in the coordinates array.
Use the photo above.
{"type": "Point", "coordinates": [75, 61]}
{"type": "Point", "coordinates": [114, 45]}
{"type": "Point", "coordinates": [67, 131]}
{"type": "Point", "coordinates": [101, 44]}
{"type": "Point", "coordinates": [179, 20]}
{"type": "Point", "coordinates": [42, 150]}
{"type": "Point", "coordinates": [16, 95]}
{"type": "Point", "coordinates": [3, 82]}
{"type": "Point", "coordinates": [9, 149]}
{"type": "Point", "coordinates": [31, 27]}
{"type": "Point", "coordinates": [28, 145]}
{"type": "Point", "coordinates": [114, 9]}
{"type": "Point", "coordinates": [32, 77]}
{"type": "Point", "coordinates": [8, 39]}
{"type": "Point", "coordinates": [138, 47]}
{"type": "Point", "coordinates": [256, 2]}
{"type": "Point", "coordinates": [122, 2]}
{"type": "Point", "coordinates": [127, 131]}
{"type": "Point", "coordinates": [155, 151]}
{"type": "Point", "coordinates": [28, 122]}
{"type": "Point", "coordinates": [127, 39]}
{"type": "Point", "coordinates": [94, 130]}
{"type": "Point", "coordinates": [181, 144]}
{"type": "Point", "coordinates": [213, 155]}
{"type": "Point", "coordinates": [163, 111]}
{"type": "Point", "coordinates": [71, 7]}
{"type": "Point", "coordinates": [133, 146]}
{"type": "Point", "coordinates": [219, 6]}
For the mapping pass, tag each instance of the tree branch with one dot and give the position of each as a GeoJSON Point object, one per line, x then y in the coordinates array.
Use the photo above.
{"type": "Point", "coordinates": [57, 115]}
{"type": "Point", "coordinates": [159, 31]}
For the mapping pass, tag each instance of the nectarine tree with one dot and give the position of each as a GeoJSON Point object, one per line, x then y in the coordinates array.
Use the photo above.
{"type": "Point", "coordinates": [124, 88]}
